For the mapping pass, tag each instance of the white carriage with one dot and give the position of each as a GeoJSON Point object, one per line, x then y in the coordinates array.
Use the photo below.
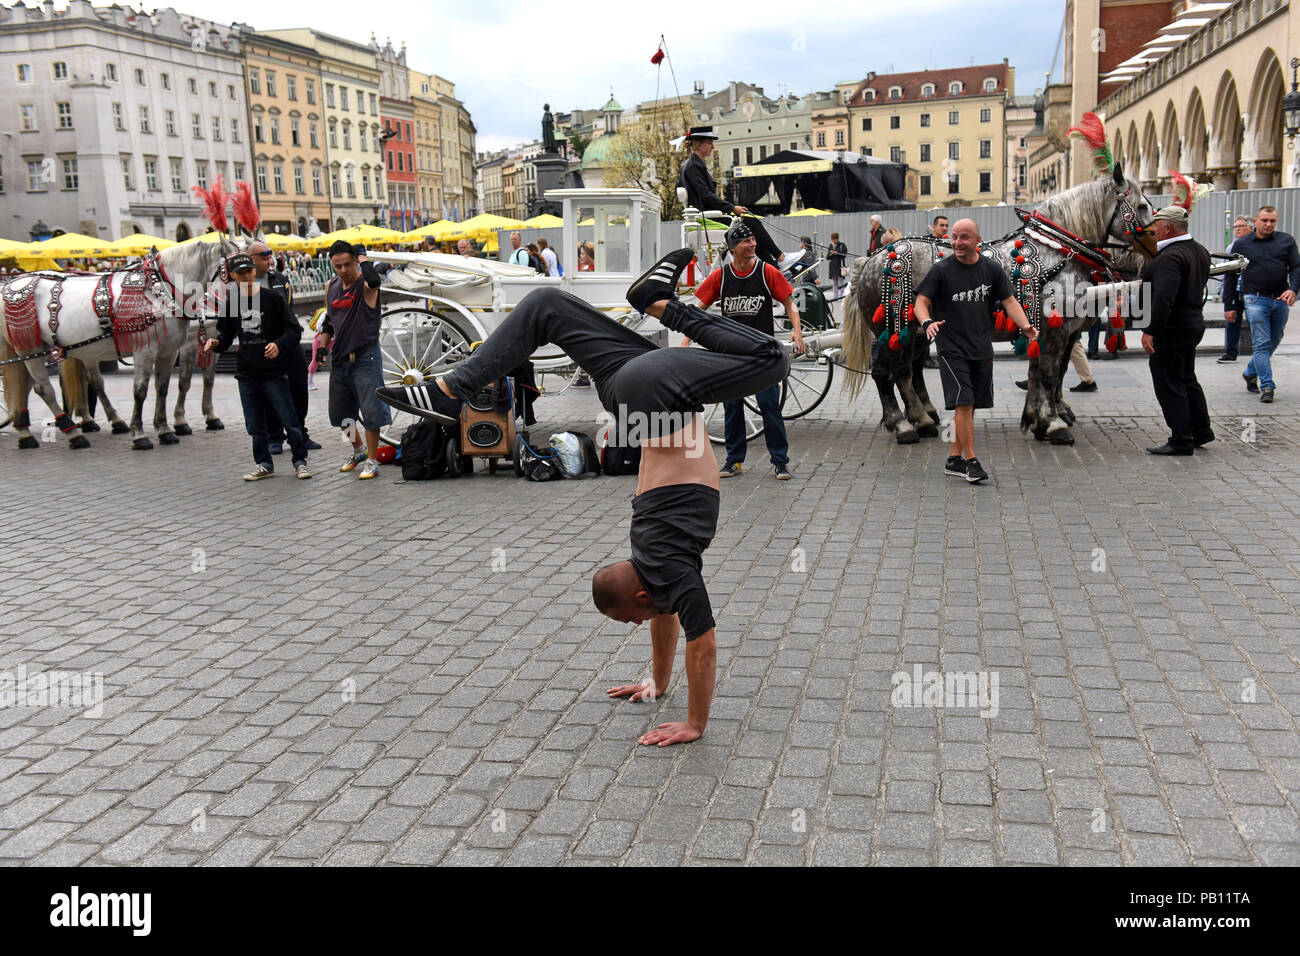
{"type": "Point", "coordinates": [438, 306]}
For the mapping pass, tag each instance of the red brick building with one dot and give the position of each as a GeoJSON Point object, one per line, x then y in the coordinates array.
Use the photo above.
{"type": "Point", "coordinates": [399, 163]}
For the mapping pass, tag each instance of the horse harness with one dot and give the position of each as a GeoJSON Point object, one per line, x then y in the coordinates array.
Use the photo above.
{"type": "Point", "coordinates": [145, 296]}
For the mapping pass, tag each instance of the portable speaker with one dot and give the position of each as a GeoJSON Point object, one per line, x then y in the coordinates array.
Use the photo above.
{"type": "Point", "coordinates": [483, 430]}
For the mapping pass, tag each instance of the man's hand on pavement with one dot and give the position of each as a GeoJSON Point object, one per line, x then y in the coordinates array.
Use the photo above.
{"type": "Point", "coordinates": [635, 692]}
{"type": "Point", "coordinates": [667, 734]}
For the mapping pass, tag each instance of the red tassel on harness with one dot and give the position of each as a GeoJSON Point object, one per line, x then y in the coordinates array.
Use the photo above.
{"type": "Point", "coordinates": [911, 313]}
{"type": "Point", "coordinates": [1117, 320]}
{"type": "Point", "coordinates": [1033, 350]}
{"type": "Point", "coordinates": [879, 315]}
{"type": "Point", "coordinates": [1054, 320]}
{"type": "Point", "coordinates": [894, 343]}
{"type": "Point", "coordinates": [1123, 343]}
{"type": "Point", "coordinates": [1112, 342]}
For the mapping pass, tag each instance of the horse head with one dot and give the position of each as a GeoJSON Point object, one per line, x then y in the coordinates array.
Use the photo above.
{"type": "Point", "coordinates": [192, 269]}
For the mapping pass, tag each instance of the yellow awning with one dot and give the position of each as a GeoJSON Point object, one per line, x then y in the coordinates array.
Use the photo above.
{"type": "Point", "coordinates": [283, 242]}
{"type": "Point", "coordinates": [544, 221]}
{"type": "Point", "coordinates": [138, 244]}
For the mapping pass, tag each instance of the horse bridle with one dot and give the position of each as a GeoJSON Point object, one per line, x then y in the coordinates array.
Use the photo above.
{"type": "Point", "coordinates": [1132, 225]}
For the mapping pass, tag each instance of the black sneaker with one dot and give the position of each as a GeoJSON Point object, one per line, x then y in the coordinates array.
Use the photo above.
{"type": "Point", "coordinates": [1252, 383]}
{"type": "Point", "coordinates": [955, 465]}
{"type": "Point", "coordinates": [1084, 387]}
{"type": "Point", "coordinates": [1266, 396]}
{"type": "Point", "coordinates": [659, 282]}
{"type": "Point", "coordinates": [1226, 359]}
{"type": "Point", "coordinates": [731, 469]}
{"type": "Point", "coordinates": [1023, 385]}
{"type": "Point", "coordinates": [975, 472]}
{"type": "Point", "coordinates": [426, 401]}
{"type": "Point", "coordinates": [781, 472]}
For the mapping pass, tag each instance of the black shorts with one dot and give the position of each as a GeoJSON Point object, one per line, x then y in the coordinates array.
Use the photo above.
{"type": "Point", "coordinates": [966, 381]}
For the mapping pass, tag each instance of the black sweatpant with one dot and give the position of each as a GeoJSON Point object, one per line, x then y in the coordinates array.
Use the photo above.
{"type": "Point", "coordinates": [632, 375]}
{"type": "Point", "coordinates": [1173, 373]}
{"type": "Point", "coordinates": [295, 367]}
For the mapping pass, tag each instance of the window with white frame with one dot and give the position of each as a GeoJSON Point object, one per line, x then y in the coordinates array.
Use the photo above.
{"type": "Point", "coordinates": [35, 176]}
{"type": "Point", "coordinates": [291, 86]}
{"type": "Point", "coordinates": [986, 149]}
{"type": "Point", "coordinates": [986, 115]}
{"type": "Point", "coordinates": [144, 120]}
{"type": "Point", "coordinates": [27, 117]}
{"type": "Point", "coordinates": [298, 186]}
{"type": "Point", "coordinates": [311, 92]}
{"type": "Point", "coordinates": [255, 81]}
{"type": "Point", "coordinates": [277, 174]}
{"type": "Point", "coordinates": [119, 123]}
{"type": "Point", "coordinates": [275, 130]}
{"type": "Point", "coordinates": [925, 153]}
{"type": "Point", "coordinates": [954, 117]}
{"type": "Point", "coordinates": [234, 129]}
{"type": "Point", "coordinates": [295, 133]}
{"type": "Point", "coordinates": [70, 178]}
{"type": "Point", "coordinates": [239, 171]}
{"type": "Point", "coordinates": [166, 80]}
{"type": "Point", "coordinates": [954, 88]}
{"type": "Point", "coordinates": [313, 134]}
{"type": "Point", "coordinates": [65, 115]}
{"type": "Point", "coordinates": [178, 181]}
{"type": "Point", "coordinates": [212, 89]}
{"type": "Point", "coordinates": [201, 173]}
{"type": "Point", "coordinates": [343, 97]}
{"type": "Point", "coordinates": [986, 182]}
{"type": "Point", "coordinates": [261, 178]}
{"type": "Point", "coordinates": [954, 150]}
{"type": "Point", "coordinates": [139, 76]}
{"type": "Point", "coordinates": [216, 128]}
{"type": "Point", "coordinates": [24, 72]}
{"type": "Point", "coordinates": [151, 173]}
{"type": "Point", "coordinates": [347, 136]}
{"type": "Point", "coordinates": [270, 82]}
{"type": "Point", "coordinates": [110, 72]}
{"type": "Point", "coordinates": [60, 70]}
{"type": "Point", "coordinates": [990, 85]}
{"type": "Point", "coordinates": [927, 90]}
{"type": "Point", "coordinates": [169, 122]}
{"type": "Point", "coordinates": [315, 181]}
{"type": "Point", "coordinates": [126, 173]}
{"type": "Point", "coordinates": [196, 124]}
{"type": "Point", "coordinates": [895, 92]}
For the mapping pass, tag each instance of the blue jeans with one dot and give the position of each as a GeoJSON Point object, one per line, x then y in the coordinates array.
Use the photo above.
{"type": "Point", "coordinates": [1267, 317]}
{"type": "Point", "coordinates": [258, 396]}
{"type": "Point", "coordinates": [1094, 333]}
{"type": "Point", "coordinates": [769, 403]}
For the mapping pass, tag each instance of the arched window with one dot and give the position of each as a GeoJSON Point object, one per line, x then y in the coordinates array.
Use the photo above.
{"type": "Point", "coordinates": [990, 84]}
{"type": "Point", "coordinates": [895, 92]}
{"type": "Point", "coordinates": [868, 96]}
{"type": "Point", "coordinates": [954, 88]}
{"type": "Point", "coordinates": [927, 91]}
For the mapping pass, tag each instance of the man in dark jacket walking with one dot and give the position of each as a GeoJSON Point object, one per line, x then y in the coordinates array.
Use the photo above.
{"type": "Point", "coordinates": [1268, 286]}
{"type": "Point", "coordinates": [1176, 280]}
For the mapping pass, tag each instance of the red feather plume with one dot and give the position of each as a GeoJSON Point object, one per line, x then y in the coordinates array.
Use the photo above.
{"type": "Point", "coordinates": [246, 211]}
{"type": "Point", "coordinates": [1093, 132]}
{"type": "Point", "coordinates": [1184, 189]}
{"type": "Point", "coordinates": [214, 204]}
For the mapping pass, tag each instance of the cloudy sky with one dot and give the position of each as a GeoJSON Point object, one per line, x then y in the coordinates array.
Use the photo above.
{"type": "Point", "coordinates": [507, 59]}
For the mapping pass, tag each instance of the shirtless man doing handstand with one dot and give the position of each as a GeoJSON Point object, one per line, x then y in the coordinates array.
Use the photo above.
{"type": "Point", "coordinates": [675, 512]}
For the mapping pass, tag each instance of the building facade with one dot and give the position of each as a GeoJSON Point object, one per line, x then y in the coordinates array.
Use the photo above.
{"type": "Point", "coordinates": [285, 122]}
{"type": "Point", "coordinates": [428, 145]}
{"type": "Point", "coordinates": [113, 116]}
{"type": "Point", "coordinates": [350, 79]}
{"type": "Point", "coordinates": [947, 125]}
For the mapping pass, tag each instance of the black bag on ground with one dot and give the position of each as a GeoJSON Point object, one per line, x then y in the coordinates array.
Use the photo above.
{"type": "Point", "coordinates": [617, 459]}
{"type": "Point", "coordinates": [424, 451]}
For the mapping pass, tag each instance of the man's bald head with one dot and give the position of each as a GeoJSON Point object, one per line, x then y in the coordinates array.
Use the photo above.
{"type": "Point", "coordinates": [965, 239]}
{"type": "Point", "coordinates": [260, 253]}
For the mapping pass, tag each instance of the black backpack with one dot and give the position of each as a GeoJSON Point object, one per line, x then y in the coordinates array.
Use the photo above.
{"type": "Point", "coordinates": [424, 451]}
{"type": "Point", "coordinates": [617, 459]}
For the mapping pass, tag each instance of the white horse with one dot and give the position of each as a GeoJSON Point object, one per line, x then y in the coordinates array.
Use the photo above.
{"type": "Point", "coordinates": [145, 312]}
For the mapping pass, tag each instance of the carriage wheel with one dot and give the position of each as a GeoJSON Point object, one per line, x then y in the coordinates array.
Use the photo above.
{"type": "Point", "coordinates": [805, 386]}
{"type": "Point", "coordinates": [418, 345]}
{"type": "Point", "coordinates": [715, 422]}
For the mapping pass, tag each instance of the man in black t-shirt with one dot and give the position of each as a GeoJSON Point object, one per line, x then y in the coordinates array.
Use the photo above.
{"type": "Point", "coordinates": [962, 291]}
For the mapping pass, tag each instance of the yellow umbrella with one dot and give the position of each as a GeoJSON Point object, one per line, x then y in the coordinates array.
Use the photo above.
{"type": "Point", "coordinates": [480, 227]}
{"type": "Point", "coordinates": [8, 246]}
{"type": "Point", "coordinates": [812, 212]}
{"type": "Point", "coordinates": [544, 221]}
{"type": "Point", "coordinates": [431, 229]}
{"type": "Point", "coordinates": [70, 245]}
{"type": "Point", "coordinates": [363, 233]}
{"type": "Point", "coordinates": [138, 244]}
{"type": "Point", "coordinates": [284, 242]}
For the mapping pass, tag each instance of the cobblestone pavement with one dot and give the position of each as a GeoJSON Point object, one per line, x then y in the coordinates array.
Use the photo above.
{"type": "Point", "coordinates": [353, 673]}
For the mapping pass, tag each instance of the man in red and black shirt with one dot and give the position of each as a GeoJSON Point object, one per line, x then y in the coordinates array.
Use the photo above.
{"type": "Point", "coordinates": [747, 289]}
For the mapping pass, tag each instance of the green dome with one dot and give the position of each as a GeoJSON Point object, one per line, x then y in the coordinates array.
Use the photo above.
{"type": "Point", "coordinates": [611, 107]}
{"type": "Point", "coordinates": [601, 149]}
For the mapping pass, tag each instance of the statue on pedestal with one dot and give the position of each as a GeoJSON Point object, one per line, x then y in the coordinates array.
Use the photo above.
{"type": "Point", "coordinates": [548, 130]}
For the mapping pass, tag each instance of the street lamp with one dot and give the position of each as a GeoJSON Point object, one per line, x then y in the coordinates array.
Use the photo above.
{"type": "Point", "coordinates": [1291, 106]}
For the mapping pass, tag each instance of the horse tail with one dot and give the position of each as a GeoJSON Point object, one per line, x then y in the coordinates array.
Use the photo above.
{"type": "Point", "coordinates": [858, 336]}
{"type": "Point", "coordinates": [72, 373]}
{"type": "Point", "coordinates": [15, 375]}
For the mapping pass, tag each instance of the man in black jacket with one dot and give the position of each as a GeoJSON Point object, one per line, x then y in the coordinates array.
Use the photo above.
{"type": "Point", "coordinates": [295, 363]}
{"type": "Point", "coordinates": [266, 332]}
{"type": "Point", "coordinates": [1176, 280]}
{"type": "Point", "coordinates": [1269, 287]}
{"type": "Point", "coordinates": [702, 190]}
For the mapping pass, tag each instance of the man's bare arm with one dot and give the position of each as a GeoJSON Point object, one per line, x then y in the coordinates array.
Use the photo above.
{"type": "Point", "coordinates": [701, 673]}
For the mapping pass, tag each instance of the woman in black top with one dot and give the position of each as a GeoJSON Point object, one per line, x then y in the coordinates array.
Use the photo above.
{"type": "Point", "coordinates": [702, 190]}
